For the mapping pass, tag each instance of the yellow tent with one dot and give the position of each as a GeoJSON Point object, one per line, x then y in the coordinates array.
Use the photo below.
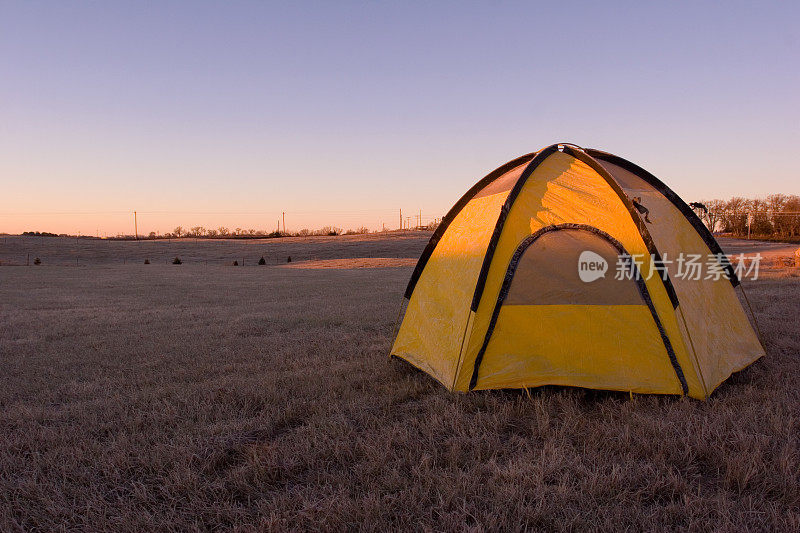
{"type": "Point", "coordinates": [563, 267]}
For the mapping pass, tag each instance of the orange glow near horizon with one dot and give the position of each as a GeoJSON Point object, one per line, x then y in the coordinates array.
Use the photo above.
{"type": "Point", "coordinates": [117, 224]}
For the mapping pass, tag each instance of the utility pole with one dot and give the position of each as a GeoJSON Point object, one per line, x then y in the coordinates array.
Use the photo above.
{"type": "Point", "coordinates": [401, 219]}
{"type": "Point", "coordinates": [283, 215]}
{"type": "Point", "coordinates": [420, 218]}
{"type": "Point", "coordinates": [135, 226]}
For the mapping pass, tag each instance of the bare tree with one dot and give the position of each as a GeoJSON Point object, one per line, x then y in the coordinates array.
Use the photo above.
{"type": "Point", "coordinates": [776, 204]}
{"type": "Point", "coordinates": [735, 216]}
{"type": "Point", "coordinates": [712, 216]}
{"type": "Point", "coordinates": [791, 212]}
{"type": "Point", "coordinates": [178, 231]}
{"type": "Point", "coordinates": [223, 231]}
{"type": "Point", "coordinates": [758, 217]}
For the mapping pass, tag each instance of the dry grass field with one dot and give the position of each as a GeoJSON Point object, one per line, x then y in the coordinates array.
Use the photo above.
{"type": "Point", "coordinates": [204, 396]}
{"type": "Point", "coordinates": [55, 251]}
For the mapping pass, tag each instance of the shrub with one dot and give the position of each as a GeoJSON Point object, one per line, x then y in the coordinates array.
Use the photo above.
{"type": "Point", "coordinates": [235, 263]}
{"type": "Point", "coordinates": [330, 231]}
{"type": "Point", "coordinates": [146, 261]}
{"type": "Point", "coordinates": [262, 261]}
{"type": "Point", "coordinates": [289, 259]}
{"type": "Point", "coordinates": [37, 261]}
{"type": "Point", "coordinates": [177, 261]}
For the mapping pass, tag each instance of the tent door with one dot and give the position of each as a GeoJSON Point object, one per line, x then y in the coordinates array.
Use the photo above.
{"type": "Point", "coordinates": [567, 287]}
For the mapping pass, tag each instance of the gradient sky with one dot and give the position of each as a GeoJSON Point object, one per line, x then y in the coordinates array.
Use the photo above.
{"type": "Point", "coordinates": [339, 113]}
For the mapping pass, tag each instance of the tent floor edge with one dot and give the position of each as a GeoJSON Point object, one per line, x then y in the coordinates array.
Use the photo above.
{"type": "Point", "coordinates": [430, 374]}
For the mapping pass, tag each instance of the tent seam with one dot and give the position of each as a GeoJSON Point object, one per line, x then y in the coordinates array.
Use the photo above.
{"type": "Point", "coordinates": [461, 349]}
{"type": "Point", "coordinates": [694, 354]}
{"type": "Point", "coordinates": [454, 211]}
{"type": "Point", "coordinates": [582, 156]}
{"type": "Point", "coordinates": [480, 284]}
{"type": "Point", "coordinates": [705, 234]}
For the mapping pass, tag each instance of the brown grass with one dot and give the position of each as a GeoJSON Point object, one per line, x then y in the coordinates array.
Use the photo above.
{"type": "Point", "coordinates": [361, 262]}
{"type": "Point", "coordinates": [56, 251]}
{"type": "Point", "coordinates": [161, 397]}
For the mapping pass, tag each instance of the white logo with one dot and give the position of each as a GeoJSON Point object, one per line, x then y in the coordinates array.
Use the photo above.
{"type": "Point", "coordinates": [591, 266]}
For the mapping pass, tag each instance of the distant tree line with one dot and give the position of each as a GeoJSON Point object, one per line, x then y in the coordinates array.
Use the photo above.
{"type": "Point", "coordinates": [48, 234]}
{"type": "Point", "coordinates": [39, 234]}
{"type": "Point", "coordinates": [777, 216]}
{"type": "Point", "coordinates": [223, 232]}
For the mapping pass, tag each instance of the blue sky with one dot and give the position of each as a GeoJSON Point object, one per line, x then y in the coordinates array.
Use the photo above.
{"type": "Point", "coordinates": [227, 113]}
